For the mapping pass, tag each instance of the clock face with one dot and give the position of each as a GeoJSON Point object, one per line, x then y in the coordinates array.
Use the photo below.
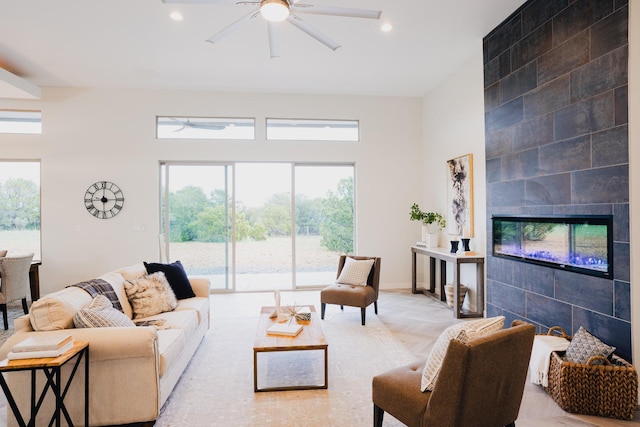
{"type": "Point", "coordinates": [103, 200]}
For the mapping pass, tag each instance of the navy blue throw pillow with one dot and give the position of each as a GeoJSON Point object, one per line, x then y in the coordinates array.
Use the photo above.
{"type": "Point", "coordinates": [176, 276]}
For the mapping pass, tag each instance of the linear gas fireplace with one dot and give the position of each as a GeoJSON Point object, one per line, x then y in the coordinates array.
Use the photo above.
{"type": "Point", "coordinates": [583, 244]}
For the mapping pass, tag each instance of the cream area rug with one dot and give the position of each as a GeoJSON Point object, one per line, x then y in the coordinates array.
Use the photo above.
{"type": "Point", "coordinates": [216, 389]}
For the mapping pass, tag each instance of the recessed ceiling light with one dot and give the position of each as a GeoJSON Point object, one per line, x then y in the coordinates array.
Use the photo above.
{"type": "Point", "coordinates": [176, 16]}
{"type": "Point", "coordinates": [386, 27]}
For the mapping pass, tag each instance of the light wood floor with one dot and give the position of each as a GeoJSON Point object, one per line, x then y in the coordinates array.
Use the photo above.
{"type": "Point", "coordinates": [417, 319]}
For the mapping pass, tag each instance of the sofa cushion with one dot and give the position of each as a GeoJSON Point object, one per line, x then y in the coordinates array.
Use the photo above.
{"type": "Point", "coordinates": [133, 271]}
{"type": "Point", "coordinates": [150, 295]}
{"type": "Point", "coordinates": [176, 276]}
{"type": "Point", "coordinates": [186, 320]}
{"type": "Point", "coordinates": [463, 332]}
{"type": "Point", "coordinates": [101, 314]}
{"type": "Point", "coordinates": [171, 343]}
{"type": "Point", "coordinates": [198, 304]}
{"type": "Point", "coordinates": [55, 311]}
{"type": "Point", "coordinates": [355, 272]}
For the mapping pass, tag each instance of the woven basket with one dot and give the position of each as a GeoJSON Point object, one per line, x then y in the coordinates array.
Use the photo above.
{"type": "Point", "coordinates": [609, 390]}
{"type": "Point", "coordinates": [448, 290]}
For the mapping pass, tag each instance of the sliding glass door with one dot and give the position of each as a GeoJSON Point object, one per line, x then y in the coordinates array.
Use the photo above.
{"type": "Point", "coordinates": [197, 219]}
{"type": "Point", "coordinates": [258, 226]}
{"type": "Point", "coordinates": [324, 221]}
{"type": "Point", "coordinates": [263, 226]}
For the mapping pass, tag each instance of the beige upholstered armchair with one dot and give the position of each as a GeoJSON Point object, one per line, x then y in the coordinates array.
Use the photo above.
{"type": "Point", "coordinates": [480, 384]}
{"type": "Point", "coordinates": [351, 293]}
{"type": "Point", "coordinates": [14, 282]}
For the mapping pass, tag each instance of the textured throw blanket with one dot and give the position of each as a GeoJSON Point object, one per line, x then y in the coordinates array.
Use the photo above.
{"type": "Point", "coordinates": [543, 346]}
{"type": "Point", "coordinates": [97, 287]}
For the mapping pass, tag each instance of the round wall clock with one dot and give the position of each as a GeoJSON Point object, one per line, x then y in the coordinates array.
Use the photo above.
{"type": "Point", "coordinates": [103, 199]}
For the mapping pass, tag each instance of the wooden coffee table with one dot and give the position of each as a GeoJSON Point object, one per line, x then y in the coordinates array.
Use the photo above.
{"type": "Point", "coordinates": [310, 338]}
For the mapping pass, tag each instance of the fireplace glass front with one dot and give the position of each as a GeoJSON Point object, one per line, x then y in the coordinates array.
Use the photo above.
{"type": "Point", "coordinates": [583, 244]}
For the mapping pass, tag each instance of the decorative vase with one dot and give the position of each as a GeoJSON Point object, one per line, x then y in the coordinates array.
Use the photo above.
{"type": "Point", "coordinates": [425, 233]}
{"type": "Point", "coordinates": [454, 246]}
{"type": "Point", "coordinates": [465, 245]}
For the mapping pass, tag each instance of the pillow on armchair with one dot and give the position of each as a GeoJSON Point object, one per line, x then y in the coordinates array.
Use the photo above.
{"type": "Point", "coordinates": [463, 332]}
{"type": "Point", "coordinates": [355, 272]}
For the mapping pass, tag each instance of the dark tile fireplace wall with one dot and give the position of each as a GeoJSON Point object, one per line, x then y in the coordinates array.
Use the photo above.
{"type": "Point", "coordinates": [555, 76]}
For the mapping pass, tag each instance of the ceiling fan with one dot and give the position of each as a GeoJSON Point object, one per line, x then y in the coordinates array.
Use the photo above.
{"type": "Point", "coordinates": [274, 11]}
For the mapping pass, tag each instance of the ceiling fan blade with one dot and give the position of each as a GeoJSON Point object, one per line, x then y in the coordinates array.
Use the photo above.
{"type": "Point", "coordinates": [231, 28]}
{"type": "Point", "coordinates": [336, 11]}
{"type": "Point", "coordinates": [297, 22]}
{"type": "Point", "coordinates": [274, 41]}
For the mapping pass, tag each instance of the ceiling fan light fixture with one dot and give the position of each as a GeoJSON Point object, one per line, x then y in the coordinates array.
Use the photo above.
{"type": "Point", "coordinates": [274, 10]}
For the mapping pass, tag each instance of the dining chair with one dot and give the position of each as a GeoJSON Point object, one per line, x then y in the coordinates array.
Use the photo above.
{"type": "Point", "coordinates": [14, 282]}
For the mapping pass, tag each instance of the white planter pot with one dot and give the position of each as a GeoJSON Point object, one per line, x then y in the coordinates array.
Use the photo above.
{"type": "Point", "coordinates": [424, 233]}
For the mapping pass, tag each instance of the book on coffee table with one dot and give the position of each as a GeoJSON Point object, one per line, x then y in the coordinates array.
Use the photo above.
{"type": "Point", "coordinates": [288, 329]}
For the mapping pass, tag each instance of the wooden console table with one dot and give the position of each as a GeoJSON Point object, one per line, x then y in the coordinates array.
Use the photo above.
{"type": "Point", "coordinates": [444, 255]}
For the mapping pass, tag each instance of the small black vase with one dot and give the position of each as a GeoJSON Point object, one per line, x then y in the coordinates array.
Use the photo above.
{"type": "Point", "coordinates": [454, 246]}
{"type": "Point", "coordinates": [465, 245]}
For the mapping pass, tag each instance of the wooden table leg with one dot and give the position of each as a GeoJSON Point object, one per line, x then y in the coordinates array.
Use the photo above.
{"type": "Point", "coordinates": [443, 279]}
{"type": "Point", "coordinates": [255, 370]}
{"type": "Point", "coordinates": [432, 274]}
{"type": "Point", "coordinates": [480, 290]}
{"type": "Point", "coordinates": [456, 290]}
{"type": "Point", "coordinates": [414, 279]}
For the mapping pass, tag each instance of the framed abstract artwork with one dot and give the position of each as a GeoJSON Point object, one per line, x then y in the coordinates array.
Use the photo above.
{"type": "Point", "coordinates": [460, 196]}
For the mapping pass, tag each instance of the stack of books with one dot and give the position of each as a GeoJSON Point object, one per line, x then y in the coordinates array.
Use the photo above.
{"type": "Point", "coordinates": [41, 346]}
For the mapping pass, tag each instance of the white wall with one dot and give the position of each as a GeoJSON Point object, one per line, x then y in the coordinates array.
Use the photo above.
{"type": "Point", "coordinates": [453, 122]}
{"type": "Point", "coordinates": [91, 134]}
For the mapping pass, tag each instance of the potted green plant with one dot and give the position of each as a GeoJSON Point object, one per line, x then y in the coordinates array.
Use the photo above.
{"type": "Point", "coordinates": [432, 223]}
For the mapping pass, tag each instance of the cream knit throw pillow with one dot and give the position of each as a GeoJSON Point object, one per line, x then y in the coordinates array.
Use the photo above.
{"type": "Point", "coordinates": [101, 314]}
{"type": "Point", "coordinates": [355, 272]}
{"type": "Point", "coordinates": [463, 332]}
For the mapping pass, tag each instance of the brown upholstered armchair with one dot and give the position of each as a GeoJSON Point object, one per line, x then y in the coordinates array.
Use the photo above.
{"type": "Point", "coordinates": [480, 384]}
{"type": "Point", "coordinates": [353, 295]}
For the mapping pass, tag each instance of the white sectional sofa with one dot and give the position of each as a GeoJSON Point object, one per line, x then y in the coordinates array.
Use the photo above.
{"type": "Point", "coordinates": [132, 369]}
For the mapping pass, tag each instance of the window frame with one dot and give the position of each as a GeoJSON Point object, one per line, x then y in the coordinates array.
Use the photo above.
{"type": "Point", "coordinates": [199, 125]}
{"type": "Point", "coordinates": [318, 123]}
{"type": "Point", "coordinates": [33, 117]}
